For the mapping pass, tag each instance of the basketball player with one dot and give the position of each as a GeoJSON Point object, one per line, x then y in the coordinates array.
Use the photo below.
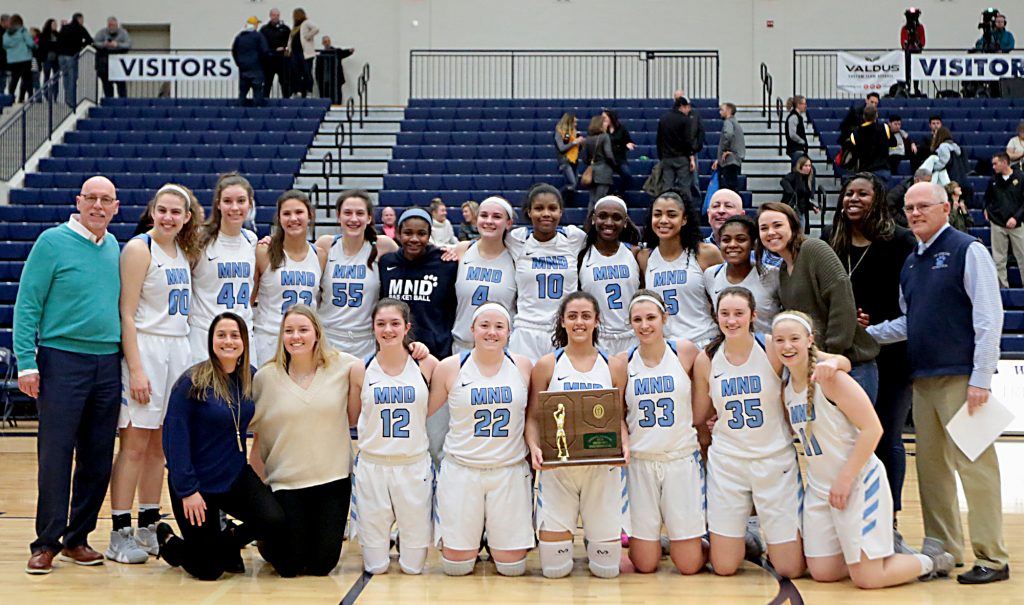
{"type": "Point", "coordinates": [288, 271]}
{"type": "Point", "coordinates": [546, 270]}
{"type": "Point", "coordinates": [665, 475]}
{"type": "Point", "coordinates": [484, 481]}
{"type": "Point", "coordinates": [155, 292]}
{"type": "Point", "coordinates": [608, 270]}
{"type": "Point", "coordinates": [737, 237]}
{"type": "Point", "coordinates": [388, 397]}
{"type": "Point", "coordinates": [848, 505]}
{"type": "Point", "coordinates": [223, 275]}
{"type": "Point", "coordinates": [595, 492]}
{"type": "Point", "coordinates": [751, 460]}
{"type": "Point", "coordinates": [350, 284]}
{"type": "Point", "coordinates": [673, 266]}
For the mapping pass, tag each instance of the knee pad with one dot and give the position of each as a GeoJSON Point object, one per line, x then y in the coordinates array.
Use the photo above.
{"type": "Point", "coordinates": [411, 560]}
{"type": "Point", "coordinates": [604, 558]}
{"type": "Point", "coordinates": [375, 560]}
{"type": "Point", "coordinates": [512, 569]}
{"type": "Point", "coordinates": [457, 568]}
{"type": "Point", "coordinates": [556, 558]}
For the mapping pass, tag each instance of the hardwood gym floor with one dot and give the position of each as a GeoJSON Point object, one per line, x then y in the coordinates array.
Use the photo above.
{"type": "Point", "coordinates": [156, 583]}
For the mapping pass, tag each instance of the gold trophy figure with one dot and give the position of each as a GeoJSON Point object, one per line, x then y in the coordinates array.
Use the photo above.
{"type": "Point", "coordinates": [563, 448]}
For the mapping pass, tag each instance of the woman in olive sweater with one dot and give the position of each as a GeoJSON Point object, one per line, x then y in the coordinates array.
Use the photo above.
{"type": "Point", "coordinates": [812, 279]}
{"type": "Point", "coordinates": [872, 249]}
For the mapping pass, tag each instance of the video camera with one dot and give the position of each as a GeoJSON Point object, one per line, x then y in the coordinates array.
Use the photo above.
{"type": "Point", "coordinates": [913, 42]}
{"type": "Point", "coordinates": [988, 21]}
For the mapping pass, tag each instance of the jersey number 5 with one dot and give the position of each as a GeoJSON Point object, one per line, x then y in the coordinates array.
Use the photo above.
{"type": "Point", "coordinates": [746, 412]}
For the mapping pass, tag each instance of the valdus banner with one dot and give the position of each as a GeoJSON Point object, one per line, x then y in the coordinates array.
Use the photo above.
{"type": "Point", "coordinates": [171, 67]}
{"type": "Point", "coordinates": [865, 73]}
{"type": "Point", "coordinates": [967, 66]}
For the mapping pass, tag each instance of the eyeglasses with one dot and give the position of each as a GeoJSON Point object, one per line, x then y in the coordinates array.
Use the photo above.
{"type": "Point", "coordinates": [105, 200]}
{"type": "Point", "coordinates": [908, 210]}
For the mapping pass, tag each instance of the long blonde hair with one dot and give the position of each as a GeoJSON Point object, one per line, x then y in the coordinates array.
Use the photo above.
{"type": "Point", "coordinates": [323, 352]}
{"type": "Point", "coordinates": [209, 375]}
{"type": "Point", "coordinates": [812, 362]}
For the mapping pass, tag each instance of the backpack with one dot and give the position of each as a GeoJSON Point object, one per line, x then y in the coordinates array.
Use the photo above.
{"type": "Point", "coordinates": [957, 168]}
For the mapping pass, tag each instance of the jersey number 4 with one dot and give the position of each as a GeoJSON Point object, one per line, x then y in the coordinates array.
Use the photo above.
{"type": "Point", "coordinates": [395, 422]}
{"type": "Point", "coordinates": [227, 298]}
{"type": "Point", "coordinates": [745, 413]}
{"type": "Point", "coordinates": [490, 424]}
{"type": "Point", "coordinates": [665, 404]}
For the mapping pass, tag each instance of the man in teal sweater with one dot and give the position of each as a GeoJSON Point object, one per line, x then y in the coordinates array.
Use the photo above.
{"type": "Point", "coordinates": [67, 336]}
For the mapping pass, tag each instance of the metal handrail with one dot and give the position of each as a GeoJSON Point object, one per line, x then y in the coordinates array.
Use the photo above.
{"type": "Point", "coordinates": [822, 199]}
{"type": "Point", "coordinates": [339, 142]}
{"type": "Point", "coordinates": [365, 75]}
{"type": "Point", "coordinates": [767, 83]}
{"type": "Point", "coordinates": [779, 112]}
{"type": "Point", "coordinates": [350, 113]}
{"type": "Point", "coordinates": [361, 91]}
{"type": "Point", "coordinates": [327, 169]}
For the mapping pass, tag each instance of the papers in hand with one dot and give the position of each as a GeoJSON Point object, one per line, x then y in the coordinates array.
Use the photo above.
{"type": "Point", "coordinates": [973, 434]}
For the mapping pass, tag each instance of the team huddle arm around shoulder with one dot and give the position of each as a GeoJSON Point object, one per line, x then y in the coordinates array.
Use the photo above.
{"type": "Point", "coordinates": [177, 440]}
{"type": "Point", "coordinates": [33, 290]}
{"type": "Point", "coordinates": [982, 287]}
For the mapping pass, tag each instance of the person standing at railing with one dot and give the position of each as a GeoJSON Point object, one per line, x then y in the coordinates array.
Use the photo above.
{"type": "Point", "coordinates": [18, 44]}
{"type": "Point", "coordinates": [276, 33]}
{"type": "Point", "coordinates": [111, 40]}
{"type": "Point", "coordinates": [675, 148]}
{"type": "Point", "coordinates": [732, 148]}
{"type": "Point", "coordinates": [71, 39]}
{"type": "Point", "coordinates": [249, 50]}
{"type": "Point", "coordinates": [47, 51]}
{"type": "Point", "coordinates": [330, 76]}
{"type": "Point", "coordinates": [302, 52]}
{"type": "Point", "coordinates": [796, 128]}
{"type": "Point", "coordinates": [5, 22]}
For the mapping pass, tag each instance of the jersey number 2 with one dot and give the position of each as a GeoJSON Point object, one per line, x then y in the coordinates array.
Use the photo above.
{"type": "Point", "coordinates": [395, 422]}
{"type": "Point", "coordinates": [490, 424]}
{"type": "Point", "coordinates": [292, 298]}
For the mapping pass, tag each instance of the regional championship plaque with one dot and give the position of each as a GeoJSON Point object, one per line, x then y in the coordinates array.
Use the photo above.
{"type": "Point", "coordinates": [581, 427]}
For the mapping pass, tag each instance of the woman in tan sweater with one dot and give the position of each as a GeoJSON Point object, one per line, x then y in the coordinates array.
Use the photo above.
{"type": "Point", "coordinates": [302, 443]}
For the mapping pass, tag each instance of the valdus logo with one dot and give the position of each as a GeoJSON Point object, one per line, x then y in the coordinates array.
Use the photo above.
{"type": "Point", "coordinates": [873, 68]}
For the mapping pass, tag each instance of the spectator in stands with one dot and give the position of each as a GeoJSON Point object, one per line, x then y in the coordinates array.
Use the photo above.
{"type": "Point", "coordinates": [37, 64]}
{"type": "Point", "coordinates": [441, 231]}
{"type": "Point", "coordinates": [950, 281]}
{"type": "Point", "coordinates": [675, 147]}
{"type": "Point", "coordinates": [855, 116]}
{"type": "Point", "coordinates": [959, 215]}
{"type": "Point", "coordinates": [330, 76]}
{"type": "Point", "coordinates": [302, 49]}
{"type": "Point", "coordinates": [567, 142]}
{"type": "Point", "coordinates": [249, 51]}
{"type": "Point", "coordinates": [903, 147]}
{"type": "Point", "coordinates": [5, 22]}
{"type": "Point", "coordinates": [71, 39]}
{"type": "Point", "coordinates": [732, 148]}
{"type": "Point", "coordinates": [1000, 40]}
{"type": "Point", "coordinates": [796, 128]}
{"type": "Point", "coordinates": [18, 44]}
{"type": "Point", "coordinates": [870, 143]}
{"type": "Point", "coordinates": [48, 49]}
{"type": "Point", "coordinates": [923, 148]}
{"type": "Point", "coordinates": [621, 144]}
{"type": "Point", "coordinates": [417, 275]}
{"type": "Point", "coordinates": [798, 190]}
{"type": "Point", "coordinates": [895, 195]}
{"type": "Point", "coordinates": [1004, 209]}
{"type": "Point", "coordinates": [813, 280]}
{"type": "Point", "coordinates": [276, 33]}
{"type": "Point", "coordinates": [698, 137]}
{"type": "Point", "coordinates": [468, 230]}
{"type": "Point", "coordinates": [111, 40]}
{"type": "Point", "coordinates": [599, 158]}
{"type": "Point", "coordinates": [946, 161]}
{"type": "Point", "coordinates": [387, 221]}
{"type": "Point", "coordinates": [1015, 148]}
{"type": "Point", "coordinates": [67, 338]}
{"type": "Point", "coordinates": [872, 249]}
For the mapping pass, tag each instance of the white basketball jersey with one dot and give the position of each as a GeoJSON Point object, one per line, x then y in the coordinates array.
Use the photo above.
{"type": "Point", "coordinates": [748, 401]}
{"type": "Point", "coordinates": [659, 410]}
{"type": "Point", "coordinates": [545, 271]}
{"type": "Point", "coordinates": [765, 289]}
{"type": "Point", "coordinates": [826, 435]}
{"type": "Point", "coordinates": [393, 419]}
{"type": "Point", "coordinates": [612, 280]}
{"type": "Point", "coordinates": [567, 378]}
{"type": "Point", "coordinates": [481, 280]}
{"type": "Point", "coordinates": [166, 292]}
{"type": "Point", "coordinates": [222, 279]}
{"type": "Point", "coordinates": [681, 284]}
{"type": "Point", "coordinates": [348, 291]}
{"type": "Point", "coordinates": [488, 415]}
{"type": "Point", "coordinates": [294, 282]}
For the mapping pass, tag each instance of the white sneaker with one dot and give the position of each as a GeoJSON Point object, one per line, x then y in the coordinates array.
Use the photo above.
{"type": "Point", "coordinates": [124, 549]}
{"type": "Point", "coordinates": [145, 537]}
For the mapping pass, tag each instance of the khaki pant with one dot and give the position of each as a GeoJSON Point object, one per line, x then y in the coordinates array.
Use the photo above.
{"type": "Point", "coordinates": [936, 400]}
{"type": "Point", "coordinates": [1000, 235]}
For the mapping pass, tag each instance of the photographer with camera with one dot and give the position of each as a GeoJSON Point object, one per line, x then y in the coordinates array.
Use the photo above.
{"type": "Point", "coordinates": [994, 36]}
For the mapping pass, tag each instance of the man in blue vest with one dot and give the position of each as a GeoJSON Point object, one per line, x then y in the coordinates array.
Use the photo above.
{"type": "Point", "coordinates": [953, 321]}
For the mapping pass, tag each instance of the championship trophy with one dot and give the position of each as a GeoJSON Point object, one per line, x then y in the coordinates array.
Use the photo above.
{"type": "Point", "coordinates": [581, 427]}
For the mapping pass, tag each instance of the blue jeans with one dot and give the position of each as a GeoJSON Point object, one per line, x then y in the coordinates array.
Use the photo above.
{"type": "Point", "coordinates": [866, 375]}
{"type": "Point", "coordinates": [69, 68]}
